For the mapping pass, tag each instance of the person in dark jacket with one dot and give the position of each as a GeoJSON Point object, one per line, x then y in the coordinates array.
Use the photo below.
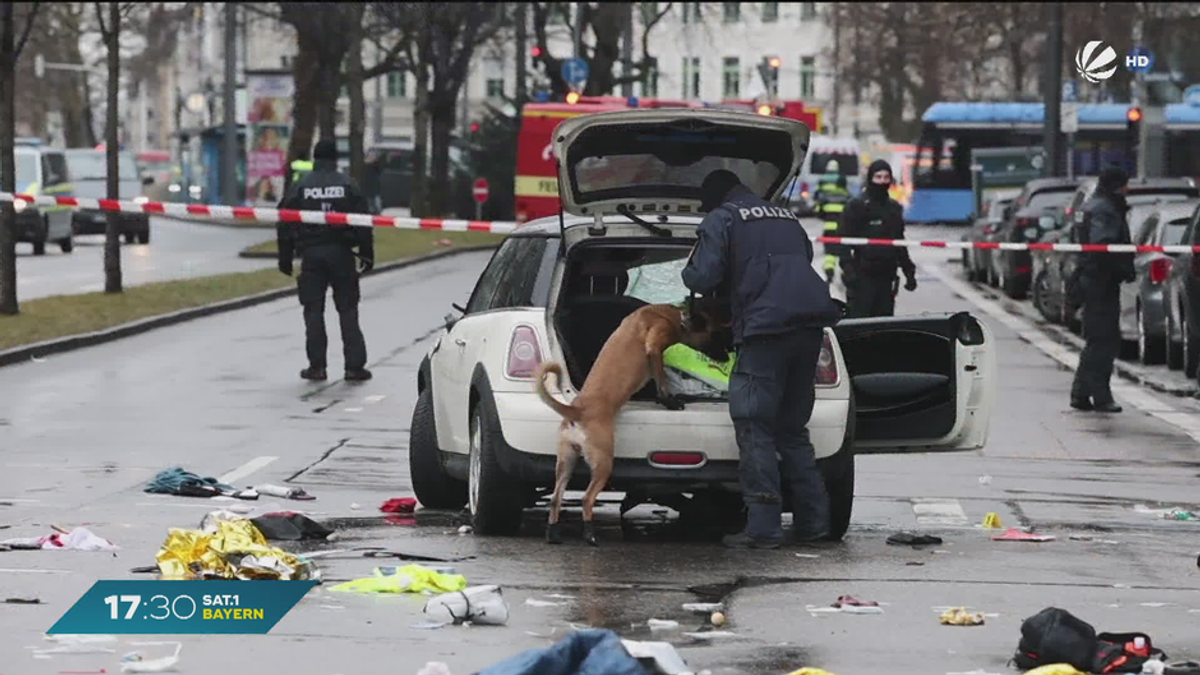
{"type": "Point", "coordinates": [1097, 283]}
{"type": "Point", "coordinates": [760, 255]}
{"type": "Point", "coordinates": [869, 272]}
{"type": "Point", "coordinates": [328, 259]}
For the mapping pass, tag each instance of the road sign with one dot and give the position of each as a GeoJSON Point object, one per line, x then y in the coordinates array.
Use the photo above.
{"type": "Point", "coordinates": [1069, 118]}
{"type": "Point", "coordinates": [575, 71]}
{"type": "Point", "coordinates": [1070, 91]}
{"type": "Point", "coordinates": [480, 190]}
{"type": "Point", "coordinates": [39, 66]}
{"type": "Point", "coordinates": [1191, 95]}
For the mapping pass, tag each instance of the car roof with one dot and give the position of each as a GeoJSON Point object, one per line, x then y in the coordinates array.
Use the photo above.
{"type": "Point", "coordinates": [1176, 210]}
{"type": "Point", "coordinates": [549, 226]}
{"type": "Point", "coordinates": [1145, 182]}
{"type": "Point", "coordinates": [1038, 184]}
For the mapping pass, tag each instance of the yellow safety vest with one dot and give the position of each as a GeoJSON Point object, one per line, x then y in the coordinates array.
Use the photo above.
{"type": "Point", "coordinates": [683, 358]}
{"type": "Point", "coordinates": [300, 167]}
{"type": "Point", "coordinates": [833, 208]}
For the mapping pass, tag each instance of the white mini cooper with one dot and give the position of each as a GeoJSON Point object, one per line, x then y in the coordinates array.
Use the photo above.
{"type": "Point", "coordinates": [557, 287]}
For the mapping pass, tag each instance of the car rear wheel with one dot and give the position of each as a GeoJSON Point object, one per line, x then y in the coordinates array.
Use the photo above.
{"type": "Point", "coordinates": [1191, 350]}
{"type": "Point", "coordinates": [435, 489]}
{"type": "Point", "coordinates": [129, 237]}
{"type": "Point", "coordinates": [497, 501]}
{"type": "Point", "coordinates": [968, 268]}
{"type": "Point", "coordinates": [1041, 291]}
{"type": "Point", "coordinates": [144, 237]}
{"type": "Point", "coordinates": [66, 245]}
{"type": "Point", "coordinates": [1150, 350]}
{"type": "Point", "coordinates": [1174, 349]}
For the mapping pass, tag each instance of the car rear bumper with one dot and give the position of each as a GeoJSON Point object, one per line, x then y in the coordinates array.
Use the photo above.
{"type": "Point", "coordinates": [95, 222]}
{"type": "Point", "coordinates": [530, 432]}
{"type": "Point", "coordinates": [30, 227]}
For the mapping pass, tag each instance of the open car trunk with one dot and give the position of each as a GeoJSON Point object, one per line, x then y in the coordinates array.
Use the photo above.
{"type": "Point", "coordinates": [605, 282]}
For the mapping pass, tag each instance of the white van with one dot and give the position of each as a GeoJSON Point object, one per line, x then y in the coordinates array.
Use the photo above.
{"type": "Point", "coordinates": [824, 149]}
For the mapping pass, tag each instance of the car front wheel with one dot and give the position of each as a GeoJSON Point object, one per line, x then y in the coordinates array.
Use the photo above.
{"type": "Point", "coordinates": [497, 500]}
{"type": "Point", "coordinates": [434, 488]}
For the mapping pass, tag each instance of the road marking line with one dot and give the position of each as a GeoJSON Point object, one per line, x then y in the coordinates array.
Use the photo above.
{"type": "Point", "coordinates": [246, 469]}
{"type": "Point", "coordinates": [16, 570]}
{"type": "Point", "coordinates": [374, 399]}
{"type": "Point", "coordinates": [353, 409]}
{"type": "Point", "coordinates": [21, 501]}
{"type": "Point", "coordinates": [1131, 394]}
{"type": "Point", "coordinates": [939, 512]}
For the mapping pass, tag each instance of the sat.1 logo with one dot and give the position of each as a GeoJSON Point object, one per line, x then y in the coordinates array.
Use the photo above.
{"type": "Point", "coordinates": [1097, 61]}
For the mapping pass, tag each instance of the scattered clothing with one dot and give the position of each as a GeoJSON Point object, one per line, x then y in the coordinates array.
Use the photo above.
{"type": "Point", "coordinates": [183, 483]}
{"type": "Point", "coordinates": [913, 539]}
{"type": "Point", "coordinates": [290, 526]}
{"type": "Point", "coordinates": [78, 539]}
{"type": "Point", "coordinates": [581, 653]}
{"type": "Point", "coordinates": [1017, 534]}
{"type": "Point", "coordinates": [407, 579]}
{"type": "Point", "coordinates": [399, 505]}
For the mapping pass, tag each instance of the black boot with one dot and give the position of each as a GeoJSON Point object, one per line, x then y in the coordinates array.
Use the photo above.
{"type": "Point", "coordinates": [314, 373]}
{"type": "Point", "coordinates": [589, 533]}
{"type": "Point", "coordinates": [1109, 407]}
{"type": "Point", "coordinates": [1081, 404]}
{"type": "Point", "coordinates": [358, 375]}
{"type": "Point", "coordinates": [744, 540]}
{"type": "Point", "coordinates": [760, 519]}
{"type": "Point", "coordinates": [553, 534]}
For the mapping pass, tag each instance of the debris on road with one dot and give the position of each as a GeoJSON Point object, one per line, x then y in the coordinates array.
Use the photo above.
{"type": "Point", "coordinates": [77, 644]}
{"type": "Point", "coordinates": [711, 635]}
{"type": "Point", "coordinates": [135, 662]}
{"type": "Point", "coordinates": [22, 601]}
{"type": "Point", "coordinates": [1054, 638]}
{"type": "Point", "coordinates": [435, 668]}
{"type": "Point", "coordinates": [662, 624]}
{"type": "Point", "coordinates": [482, 605]}
{"type": "Point", "coordinates": [1088, 537]}
{"type": "Point", "coordinates": [702, 607]}
{"type": "Point", "coordinates": [407, 579]}
{"type": "Point", "coordinates": [1055, 669]}
{"type": "Point", "coordinates": [184, 483]}
{"type": "Point", "coordinates": [399, 555]}
{"type": "Point", "coordinates": [1017, 534]}
{"type": "Point", "coordinates": [985, 480]}
{"type": "Point", "coordinates": [234, 549]}
{"type": "Point", "coordinates": [852, 605]}
{"type": "Point", "coordinates": [810, 671]}
{"type": "Point", "coordinates": [592, 650]}
{"type": "Point", "coordinates": [284, 492]}
{"type": "Point", "coordinates": [290, 526]}
{"type": "Point", "coordinates": [466, 529]}
{"type": "Point", "coordinates": [1166, 514]}
{"type": "Point", "coordinates": [959, 616]}
{"type": "Point", "coordinates": [913, 539]}
{"type": "Point", "coordinates": [532, 602]}
{"type": "Point", "coordinates": [717, 619]}
{"type": "Point", "coordinates": [992, 522]}
{"type": "Point", "coordinates": [399, 505]}
{"type": "Point", "coordinates": [78, 539]}
{"type": "Point", "coordinates": [660, 655]}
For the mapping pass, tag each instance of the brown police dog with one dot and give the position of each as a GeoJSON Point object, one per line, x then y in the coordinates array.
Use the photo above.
{"type": "Point", "coordinates": [631, 356]}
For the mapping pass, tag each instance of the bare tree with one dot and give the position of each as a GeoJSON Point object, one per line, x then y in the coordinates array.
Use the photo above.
{"type": "Point", "coordinates": [110, 33]}
{"type": "Point", "coordinates": [606, 22]}
{"type": "Point", "coordinates": [16, 23]}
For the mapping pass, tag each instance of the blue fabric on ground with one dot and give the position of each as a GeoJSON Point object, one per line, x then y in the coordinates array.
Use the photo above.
{"type": "Point", "coordinates": [170, 481]}
{"type": "Point", "coordinates": [586, 652]}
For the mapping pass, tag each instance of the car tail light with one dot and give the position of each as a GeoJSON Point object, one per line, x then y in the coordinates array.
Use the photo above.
{"type": "Point", "coordinates": [827, 367]}
{"type": "Point", "coordinates": [675, 459]}
{"type": "Point", "coordinates": [524, 355]}
{"type": "Point", "coordinates": [1159, 269]}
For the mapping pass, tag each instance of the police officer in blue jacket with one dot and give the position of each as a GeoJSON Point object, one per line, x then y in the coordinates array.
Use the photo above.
{"type": "Point", "coordinates": [760, 255]}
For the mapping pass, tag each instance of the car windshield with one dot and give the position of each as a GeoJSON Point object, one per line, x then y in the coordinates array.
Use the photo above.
{"type": "Point", "coordinates": [26, 169]}
{"type": "Point", "coordinates": [93, 165]}
{"type": "Point", "coordinates": [1050, 199]}
{"type": "Point", "coordinates": [1173, 233]}
{"type": "Point", "coordinates": [847, 164]}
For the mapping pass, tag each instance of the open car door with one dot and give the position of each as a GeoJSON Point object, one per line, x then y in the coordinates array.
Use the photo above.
{"type": "Point", "coordinates": [923, 382]}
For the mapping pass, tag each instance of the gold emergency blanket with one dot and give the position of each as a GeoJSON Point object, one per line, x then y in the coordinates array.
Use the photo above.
{"type": "Point", "coordinates": [236, 550]}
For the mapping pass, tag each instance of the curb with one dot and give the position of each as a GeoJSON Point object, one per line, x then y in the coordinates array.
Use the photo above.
{"type": "Point", "coordinates": [73, 342]}
{"type": "Point", "coordinates": [218, 222]}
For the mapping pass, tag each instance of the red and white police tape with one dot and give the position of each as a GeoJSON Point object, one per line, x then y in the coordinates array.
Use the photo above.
{"type": "Point", "coordinates": [249, 213]}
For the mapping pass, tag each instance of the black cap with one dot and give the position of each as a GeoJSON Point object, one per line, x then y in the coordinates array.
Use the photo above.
{"type": "Point", "coordinates": [1113, 178]}
{"type": "Point", "coordinates": [715, 186]}
{"type": "Point", "coordinates": [326, 149]}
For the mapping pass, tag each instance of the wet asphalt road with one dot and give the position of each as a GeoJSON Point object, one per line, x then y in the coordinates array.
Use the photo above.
{"type": "Point", "coordinates": [83, 431]}
{"type": "Point", "coordinates": [177, 250]}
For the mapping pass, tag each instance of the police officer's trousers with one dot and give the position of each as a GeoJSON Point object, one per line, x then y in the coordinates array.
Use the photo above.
{"type": "Point", "coordinates": [323, 266]}
{"type": "Point", "coordinates": [871, 295]}
{"type": "Point", "coordinates": [771, 395]}
{"type": "Point", "coordinates": [1102, 331]}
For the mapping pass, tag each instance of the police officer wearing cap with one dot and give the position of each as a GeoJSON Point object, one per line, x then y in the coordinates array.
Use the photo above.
{"type": "Point", "coordinates": [759, 255]}
{"type": "Point", "coordinates": [1096, 284]}
{"type": "Point", "coordinates": [328, 259]}
{"type": "Point", "coordinates": [869, 272]}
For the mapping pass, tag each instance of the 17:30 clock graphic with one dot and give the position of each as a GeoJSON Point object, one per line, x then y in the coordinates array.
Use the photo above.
{"type": "Point", "coordinates": [170, 607]}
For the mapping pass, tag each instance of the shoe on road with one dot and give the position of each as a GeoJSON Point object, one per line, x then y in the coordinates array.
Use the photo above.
{"type": "Point", "coordinates": [315, 374]}
{"type": "Point", "coordinates": [360, 375]}
{"type": "Point", "coordinates": [1082, 404]}
{"type": "Point", "coordinates": [1109, 407]}
{"type": "Point", "coordinates": [743, 540]}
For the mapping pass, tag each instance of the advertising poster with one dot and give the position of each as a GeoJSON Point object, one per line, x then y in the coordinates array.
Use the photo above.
{"type": "Point", "coordinates": [270, 118]}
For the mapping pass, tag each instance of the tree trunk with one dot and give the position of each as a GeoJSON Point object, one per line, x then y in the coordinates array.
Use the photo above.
{"type": "Point", "coordinates": [8, 182]}
{"type": "Point", "coordinates": [329, 93]}
{"type": "Point", "coordinates": [89, 119]}
{"type": "Point", "coordinates": [441, 128]}
{"type": "Point", "coordinates": [358, 110]}
{"type": "Point", "coordinates": [417, 198]}
{"type": "Point", "coordinates": [306, 77]}
{"type": "Point", "coordinates": [112, 230]}
{"type": "Point", "coordinates": [1017, 62]}
{"type": "Point", "coordinates": [521, 17]}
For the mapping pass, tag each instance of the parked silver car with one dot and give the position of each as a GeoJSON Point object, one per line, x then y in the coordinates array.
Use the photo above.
{"type": "Point", "coordinates": [1143, 315]}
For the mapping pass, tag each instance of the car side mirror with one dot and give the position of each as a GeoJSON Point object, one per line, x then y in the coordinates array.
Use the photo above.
{"type": "Point", "coordinates": [459, 307]}
{"type": "Point", "coordinates": [148, 180]}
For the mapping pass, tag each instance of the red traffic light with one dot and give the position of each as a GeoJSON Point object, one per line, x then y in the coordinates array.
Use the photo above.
{"type": "Point", "coordinates": [535, 51]}
{"type": "Point", "coordinates": [774, 62]}
{"type": "Point", "coordinates": [1134, 115]}
{"type": "Point", "coordinates": [474, 127]}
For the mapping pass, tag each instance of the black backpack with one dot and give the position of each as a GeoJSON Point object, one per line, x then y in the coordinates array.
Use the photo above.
{"type": "Point", "coordinates": [1055, 635]}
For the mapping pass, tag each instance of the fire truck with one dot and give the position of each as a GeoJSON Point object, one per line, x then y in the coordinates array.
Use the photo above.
{"type": "Point", "coordinates": [536, 183]}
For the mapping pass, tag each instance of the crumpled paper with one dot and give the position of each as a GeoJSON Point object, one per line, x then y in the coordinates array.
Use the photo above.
{"type": "Point", "coordinates": [959, 616]}
{"type": "Point", "coordinates": [407, 579]}
{"type": "Point", "coordinates": [229, 549]}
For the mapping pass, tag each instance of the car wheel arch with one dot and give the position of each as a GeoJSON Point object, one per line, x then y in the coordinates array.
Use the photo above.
{"type": "Point", "coordinates": [424, 375]}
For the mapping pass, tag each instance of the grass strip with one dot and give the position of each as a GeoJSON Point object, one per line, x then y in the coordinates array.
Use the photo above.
{"type": "Point", "coordinates": [64, 315]}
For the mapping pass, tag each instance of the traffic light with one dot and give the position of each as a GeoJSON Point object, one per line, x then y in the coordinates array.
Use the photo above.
{"type": "Point", "coordinates": [535, 51]}
{"type": "Point", "coordinates": [1133, 119]}
{"type": "Point", "coordinates": [474, 127]}
{"type": "Point", "coordinates": [573, 97]}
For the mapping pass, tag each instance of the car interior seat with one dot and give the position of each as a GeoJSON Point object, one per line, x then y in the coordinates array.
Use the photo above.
{"type": "Point", "coordinates": [595, 306]}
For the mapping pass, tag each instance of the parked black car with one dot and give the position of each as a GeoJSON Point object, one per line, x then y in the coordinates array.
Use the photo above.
{"type": "Point", "coordinates": [1181, 299]}
{"type": "Point", "coordinates": [1030, 216]}
{"type": "Point", "coordinates": [389, 178]}
{"type": "Point", "coordinates": [977, 261]}
{"type": "Point", "coordinates": [1142, 192]}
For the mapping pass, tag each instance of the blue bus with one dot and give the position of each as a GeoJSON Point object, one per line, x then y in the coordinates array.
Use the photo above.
{"type": "Point", "coordinates": [951, 131]}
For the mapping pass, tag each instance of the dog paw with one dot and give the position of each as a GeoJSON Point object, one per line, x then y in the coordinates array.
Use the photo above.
{"type": "Point", "coordinates": [671, 403]}
{"type": "Point", "coordinates": [589, 534]}
{"type": "Point", "coordinates": [553, 534]}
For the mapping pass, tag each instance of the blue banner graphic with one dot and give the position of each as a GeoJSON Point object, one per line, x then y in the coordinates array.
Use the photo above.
{"type": "Point", "coordinates": [168, 607]}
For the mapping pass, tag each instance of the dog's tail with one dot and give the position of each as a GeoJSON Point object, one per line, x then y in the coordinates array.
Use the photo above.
{"type": "Point", "coordinates": [568, 412]}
